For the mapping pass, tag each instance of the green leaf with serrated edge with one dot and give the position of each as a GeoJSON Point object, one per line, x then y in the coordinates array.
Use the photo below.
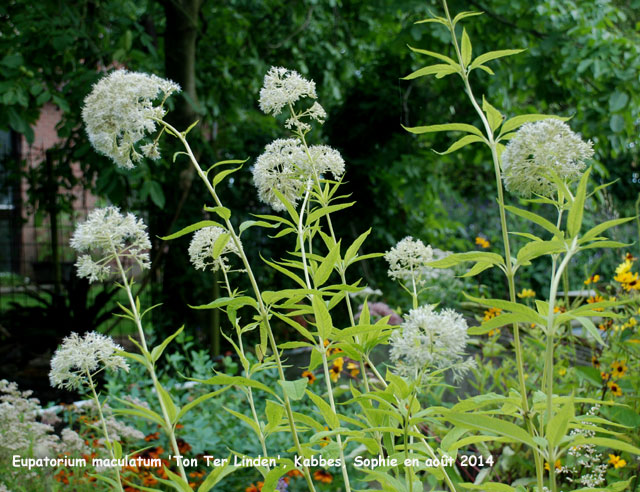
{"type": "Point", "coordinates": [447, 127]}
{"type": "Point", "coordinates": [518, 121]}
{"type": "Point", "coordinates": [250, 422]}
{"type": "Point", "coordinates": [240, 381]}
{"type": "Point", "coordinates": [294, 389]}
{"type": "Point", "coordinates": [457, 258]}
{"type": "Point", "coordinates": [297, 326]}
{"type": "Point", "coordinates": [222, 163]}
{"type": "Point", "coordinates": [435, 55]}
{"type": "Point", "coordinates": [534, 250]}
{"type": "Point", "coordinates": [606, 443]}
{"type": "Point", "coordinates": [189, 229]}
{"type": "Point", "coordinates": [477, 269]}
{"type": "Point", "coordinates": [233, 302]}
{"type": "Point", "coordinates": [322, 211]}
{"type": "Point", "coordinates": [605, 244]}
{"type": "Point", "coordinates": [559, 424]}
{"type": "Point", "coordinates": [466, 48]}
{"type": "Point", "coordinates": [220, 243]}
{"type": "Point", "coordinates": [223, 174]}
{"type": "Point", "coordinates": [514, 307]}
{"type": "Point", "coordinates": [498, 322]}
{"type": "Point", "coordinates": [323, 318]}
{"type": "Point", "coordinates": [595, 231]}
{"type": "Point", "coordinates": [157, 351]}
{"type": "Point", "coordinates": [492, 55]}
{"type": "Point", "coordinates": [464, 15]}
{"type": "Point", "coordinates": [255, 223]}
{"type": "Point", "coordinates": [536, 219]}
{"type": "Point", "coordinates": [223, 212]}
{"type": "Point", "coordinates": [170, 407]}
{"type": "Point", "coordinates": [329, 415]}
{"type": "Point", "coordinates": [177, 481]}
{"type": "Point", "coordinates": [491, 424]}
{"type": "Point", "coordinates": [431, 70]}
{"type": "Point", "coordinates": [352, 250]}
{"type": "Point", "coordinates": [217, 474]}
{"type": "Point", "coordinates": [288, 273]}
{"type": "Point", "coordinates": [574, 220]}
{"type": "Point", "coordinates": [463, 142]}
{"type": "Point", "coordinates": [321, 275]}
{"type": "Point", "coordinates": [493, 115]}
{"type": "Point", "coordinates": [488, 487]}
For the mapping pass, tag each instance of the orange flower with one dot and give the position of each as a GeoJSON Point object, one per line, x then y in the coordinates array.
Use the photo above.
{"type": "Point", "coordinates": [309, 375]}
{"type": "Point", "coordinates": [61, 477]}
{"type": "Point", "coordinates": [605, 325]}
{"type": "Point", "coordinates": [294, 473]}
{"type": "Point", "coordinates": [183, 446]}
{"type": "Point", "coordinates": [323, 476]}
{"type": "Point", "coordinates": [594, 299]}
{"type": "Point", "coordinates": [152, 437]}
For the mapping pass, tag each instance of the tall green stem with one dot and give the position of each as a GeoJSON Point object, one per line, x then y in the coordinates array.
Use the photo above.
{"type": "Point", "coordinates": [507, 249]}
{"type": "Point", "coordinates": [262, 309]}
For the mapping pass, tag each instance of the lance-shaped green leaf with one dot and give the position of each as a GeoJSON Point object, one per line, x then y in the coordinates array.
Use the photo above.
{"type": "Point", "coordinates": [530, 315]}
{"type": "Point", "coordinates": [518, 121]}
{"type": "Point", "coordinates": [538, 248]}
{"type": "Point", "coordinates": [447, 127]}
{"type": "Point", "coordinates": [439, 56]}
{"type": "Point", "coordinates": [607, 443]}
{"type": "Point", "coordinates": [463, 142]}
{"type": "Point", "coordinates": [464, 15]}
{"type": "Point", "coordinates": [352, 250]}
{"type": "Point", "coordinates": [574, 220]}
{"type": "Point", "coordinates": [489, 487]}
{"type": "Point", "coordinates": [466, 48]}
{"type": "Point", "coordinates": [476, 256]}
{"type": "Point", "coordinates": [492, 55]}
{"type": "Point", "coordinates": [223, 302]}
{"type": "Point", "coordinates": [294, 389]}
{"type": "Point", "coordinates": [559, 424]}
{"type": "Point", "coordinates": [590, 327]}
{"type": "Point", "coordinates": [327, 412]}
{"type": "Point", "coordinates": [321, 275]}
{"type": "Point", "coordinates": [170, 407]}
{"type": "Point", "coordinates": [223, 212]}
{"type": "Point", "coordinates": [491, 424]}
{"type": "Point", "coordinates": [240, 381]}
{"type": "Point", "coordinates": [218, 246]}
{"type": "Point", "coordinates": [493, 115]}
{"type": "Point", "coordinates": [497, 322]}
{"type": "Point", "coordinates": [323, 318]}
{"type": "Point", "coordinates": [223, 174]}
{"type": "Point", "coordinates": [595, 231]}
{"type": "Point", "coordinates": [193, 227]}
{"type": "Point", "coordinates": [157, 351]}
{"type": "Point", "coordinates": [536, 219]}
{"type": "Point", "coordinates": [217, 474]}
{"type": "Point", "coordinates": [440, 69]}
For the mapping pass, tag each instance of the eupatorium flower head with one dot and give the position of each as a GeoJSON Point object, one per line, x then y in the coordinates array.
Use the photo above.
{"type": "Point", "coordinates": [537, 151]}
{"type": "Point", "coordinates": [106, 234]}
{"type": "Point", "coordinates": [79, 356]}
{"type": "Point", "coordinates": [120, 111]}
{"type": "Point", "coordinates": [407, 259]}
{"type": "Point", "coordinates": [429, 339]}
{"type": "Point", "coordinates": [282, 87]}
{"type": "Point", "coordinates": [201, 249]}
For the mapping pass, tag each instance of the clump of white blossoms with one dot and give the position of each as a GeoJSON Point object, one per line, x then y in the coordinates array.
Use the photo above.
{"type": "Point", "coordinates": [79, 358]}
{"type": "Point", "coordinates": [407, 260]}
{"type": "Point", "coordinates": [430, 340]}
{"type": "Point", "coordinates": [282, 88]}
{"type": "Point", "coordinates": [537, 151]}
{"type": "Point", "coordinates": [120, 111]}
{"type": "Point", "coordinates": [202, 246]}
{"type": "Point", "coordinates": [107, 234]}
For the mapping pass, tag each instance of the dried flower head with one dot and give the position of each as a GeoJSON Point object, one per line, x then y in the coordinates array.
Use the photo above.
{"type": "Point", "coordinates": [537, 151]}
{"type": "Point", "coordinates": [120, 111]}
{"type": "Point", "coordinates": [202, 246]}
{"type": "Point", "coordinates": [282, 87]}
{"type": "Point", "coordinates": [430, 340]}
{"type": "Point", "coordinates": [78, 357]}
{"type": "Point", "coordinates": [407, 259]}
{"type": "Point", "coordinates": [107, 234]}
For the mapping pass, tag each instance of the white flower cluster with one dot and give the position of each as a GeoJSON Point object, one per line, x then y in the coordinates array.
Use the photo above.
{"type": "Point", "coordinates": [79, 356]}
{"type": "Point", "coordinates": [407, 260]}
{"type": "Point", "coordinates": [119, 112]}
{"type": "Point", "coordinates": [201, 249]}
{"type": "Point", "coordinates": [285, 166]}
{"type": "Point", "coordinates": [537, 151]}
{"type": "Point", "coordinates": [430, 340]}
{"type": "Point", "coordinates": [589, 468]}
{"type": "Point", "coordinates": [282, 87]}
{"type": "Point", "coordinates": [107, 233]}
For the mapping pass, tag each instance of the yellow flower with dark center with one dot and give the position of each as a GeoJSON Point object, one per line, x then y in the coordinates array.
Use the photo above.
{"type": "Point", "coordinates": [595, 361]}
{"type": "Point", "coordinates": [336, 369]}
{"type": "Point", "coordinates": [630, 257]}
{"type": "Point", "coordinates": [618, 369]}
{"type": "Point", "coordinates": [559, 309]}
{"type": "Point", "coordinates": [353, 368]}
{"type": "Point", "coordinates": [557, 465]}
{"type": "Point", "coordinates": [615, 388]}
{"type": "Point", "coordinates": [310, 376]}
{"type": "Point", "coordinates": [482, 242]}
{"type": "Point", "coordinates": [491, 313]}
{"type": "Point", "coordinates": [616, 461]}
{"type": "Point", "coordinates": [605, 376]}
{"type": "Point", "coordinates": [323, 476]}
{"type": "Point", "coordinates": [594, 279]}
{"type": "Point", "coordinates": [526, 293]}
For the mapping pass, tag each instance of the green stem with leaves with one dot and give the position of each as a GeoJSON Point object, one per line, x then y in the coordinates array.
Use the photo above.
{"type": "Point", "coordinates": [262, 309]}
